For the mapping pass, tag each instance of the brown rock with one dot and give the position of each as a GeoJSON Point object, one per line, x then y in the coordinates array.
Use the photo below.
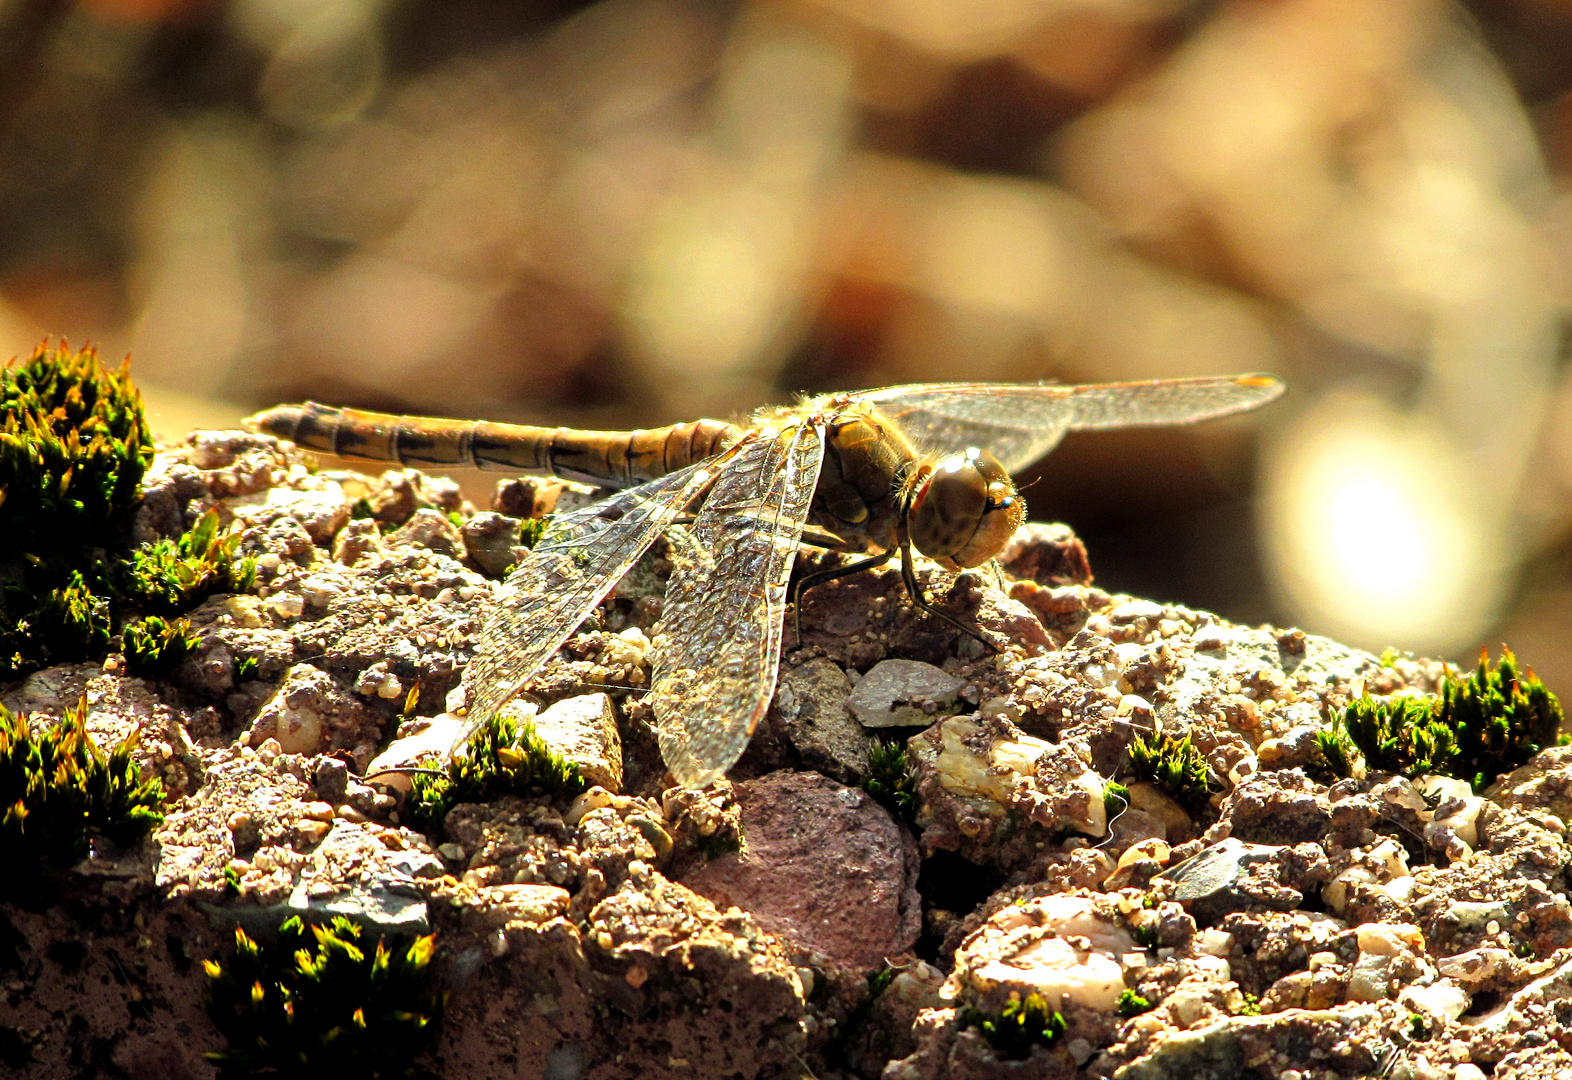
{"type": "Point", "coordinates": [1049, 554]}
{"type": "Point", "coordinates": [811, 704]}
{"type": "Point", "coordinates": [824, 866]}
{"type": "Point", "coordinates": [430, 529]}
{"type": "Point", "coordinates": [1279, 807]}
{"type": "Point", "coordinates": [491, 541]}
{"type": "Point", "coordinates": [526, 496]}
{"type": "Point", "coordinates": [359, 538]}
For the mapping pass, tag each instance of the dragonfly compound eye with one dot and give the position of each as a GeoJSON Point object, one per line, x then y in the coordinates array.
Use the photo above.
{"type": "Point", "coordinates": [964, 509]}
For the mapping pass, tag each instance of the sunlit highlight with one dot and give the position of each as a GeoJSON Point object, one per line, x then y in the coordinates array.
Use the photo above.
{"type": "Point", "coordinates": [1376, 533]}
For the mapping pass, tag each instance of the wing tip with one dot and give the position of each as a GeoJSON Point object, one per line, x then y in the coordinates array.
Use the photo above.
{"type": "Point", "coordinates": [1268, 386]}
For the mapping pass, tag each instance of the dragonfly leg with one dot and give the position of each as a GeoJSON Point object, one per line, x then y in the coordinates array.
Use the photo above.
{"type": "Point", "coordinates": [919, 598]}
{"type": "Point", "coordinates": [808, 581]}
{"type": "Point", "coordinates": [820, 539]}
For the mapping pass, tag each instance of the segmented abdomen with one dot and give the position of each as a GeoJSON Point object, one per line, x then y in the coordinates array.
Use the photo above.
{"type": "Point", "coordinates": [610, 458]}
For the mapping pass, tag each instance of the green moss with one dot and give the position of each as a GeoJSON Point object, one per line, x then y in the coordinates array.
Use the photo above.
{"type": "Point", "coordinates": [1175, 766]}
{"type": "Point", "coordinates": [1251, 1006]}
{"type": "Point", "coordinates": [58, 790]}
{"type": "Point", "coordinates": [1022, 1024]}
{"type": "Point", "coordinates": [74, 444]}
{"type": "Point", "coordinates": [155, 646]}
{"type": "Point", "coordinates": [247, 668]}
{"type": "Point", "coordinates": [500, 758]}
{"type": "Point", "coordinates": [1132, 1004]}
{"type": "Point", "coordinates": [1501, 719]}
{"type": "Point", "coordinates": [1337, 749]}
{"type": "Point", "coordinates": [319, 1003]}
{"type": "Point", "coordinates": [531, 530]}
{"type": "Point", "coordinates": [170, 576]}
{"type": "Point", "coordinates": [880, 981]}
{"type": "Point", "coordinates": [1399, 735]}
{"type": "Point", "coordinates": [56, 625]}
{"type": "Point", "coordinates": [1476, 729]}
{"type": "Point", "coordinates": [1116, 799]}
{"type": "Point", "coordinates": [890, 780]}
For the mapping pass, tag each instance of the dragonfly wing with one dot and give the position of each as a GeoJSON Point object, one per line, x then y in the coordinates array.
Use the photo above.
{"type": "Point", "coordinates": [718, 647]}
{"type": "Point", "coordinates": [579, 558]}
{"type": "Point", "coordinates": [1019, 423]}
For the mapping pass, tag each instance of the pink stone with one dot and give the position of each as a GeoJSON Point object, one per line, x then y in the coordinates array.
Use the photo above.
{"type": "Point", "coordinates": [823, 866]}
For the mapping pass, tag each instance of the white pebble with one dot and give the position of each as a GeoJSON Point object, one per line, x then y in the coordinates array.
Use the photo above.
{"type": "Point", "coordinates": [287, 605]}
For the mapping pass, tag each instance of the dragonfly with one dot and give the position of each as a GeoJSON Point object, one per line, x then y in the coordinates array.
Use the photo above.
{"type": "Point", "coordinates": [875, 473]}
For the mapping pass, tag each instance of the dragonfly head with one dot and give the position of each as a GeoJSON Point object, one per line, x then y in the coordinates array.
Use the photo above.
{"type": "Point", "coordinates": [962, 508]}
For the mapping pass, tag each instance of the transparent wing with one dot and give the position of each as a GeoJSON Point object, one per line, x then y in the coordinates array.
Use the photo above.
{"type": "Point", "coordinates": [718, 647]}
{"type": "Point", "coordinates": [1020, 423]}
{"type": "Point", "coordinates": [579, 558]}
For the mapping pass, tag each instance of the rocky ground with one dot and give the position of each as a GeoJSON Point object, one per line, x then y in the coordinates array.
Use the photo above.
{"type": "Point", "coordinates": [1297, 926]}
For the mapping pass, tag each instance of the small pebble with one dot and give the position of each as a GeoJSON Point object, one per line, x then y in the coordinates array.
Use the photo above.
{"type": "Point", "coordinates": [287, 605]}
{"type": "Point", "coordinates": [319, 811]}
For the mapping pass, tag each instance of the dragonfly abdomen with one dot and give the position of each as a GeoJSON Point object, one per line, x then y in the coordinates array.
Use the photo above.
{"type": "Point", "coordinates": [610, 458]}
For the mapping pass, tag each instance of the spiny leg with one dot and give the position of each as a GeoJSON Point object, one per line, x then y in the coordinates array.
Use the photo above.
{"type": "Point", "coordinates": [919, 598]}
{"type": "Point", "coordinates": [808, 581]}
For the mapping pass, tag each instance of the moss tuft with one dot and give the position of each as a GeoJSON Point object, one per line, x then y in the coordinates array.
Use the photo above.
{"type": "Point", "coordinates": [1116, 799]}
{"type": "Point", "coordinates": [531, 530]}
{"type": "Point", "coordinates": [52, 626]}
{"type": "Point", "coordinates": [156, 646]}
{"type": "Point", "coordinates": [1399, 735]}
{"type": "Point", "coordinates": [1022, 1024]}
{"type": "Point", "coordinates": [1337, 749]}
{"type": "Point", "coordinates": [1476, 729]}
{"type": "Point", "coordinates": [1501, 719]}
{"type": "Point", "coordinates": [318, 1003]}
{"type": "Point", "coordinates": [891, 781]}
{"type": "Point", "coordinates": [74, 444]}
{"type": "Point", "coordinates": [1132, 1004]}
{"type": "Point", "coordinates": [1175, 766]}
{"type": "Point", "coordinates": [58, 790]}
{"type": "Point", "coordinates": [500, 758]}
{"type": "Point", "coordinates": [170, 576]}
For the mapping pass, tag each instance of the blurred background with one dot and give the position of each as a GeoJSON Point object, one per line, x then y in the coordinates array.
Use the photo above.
{"type": "Point", "coordinates": [633, 212]}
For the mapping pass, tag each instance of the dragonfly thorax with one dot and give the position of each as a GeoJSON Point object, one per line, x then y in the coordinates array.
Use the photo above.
{"type": "Point", "coordinates": [960, 509]}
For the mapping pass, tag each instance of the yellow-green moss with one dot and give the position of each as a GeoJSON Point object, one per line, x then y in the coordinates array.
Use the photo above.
{"type": "Point", "coordinates": [1020, 1025]}
{"type": "Point", "coordinates": [891, 780]}
{"type": "Point", "coordinates": [169, 576]}
{"type": "Point", "coordinates": [58, 790]}
{"type": "Point", "coordinates": [155, 646]}
{"type": "Point", "coordinates": [1175, 766]}
{"type": "Point", "coordinates": [500, 758]}
{"type": "Point", "coordinates": [317, 1003]}
{"type": "Point", "coordinates": [74, 444]}
{"type": "Point", "coordinates": [1477, 728]}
